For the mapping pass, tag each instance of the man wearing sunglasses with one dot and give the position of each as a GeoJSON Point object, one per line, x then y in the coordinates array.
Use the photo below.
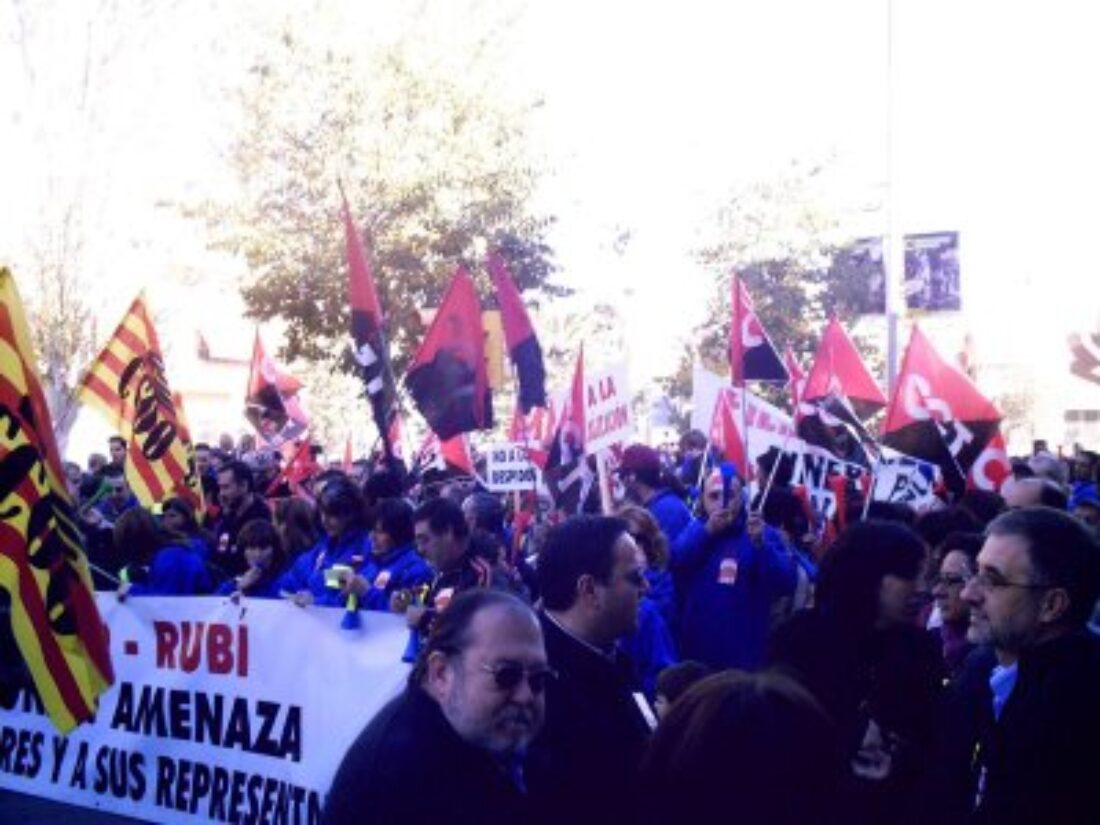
{"type": "Point", "coordinates": [1037, 582]}
{"type": "Point", "coordinates": [591, 575]}
{"type": "Point", "coordinates": [451, 748]}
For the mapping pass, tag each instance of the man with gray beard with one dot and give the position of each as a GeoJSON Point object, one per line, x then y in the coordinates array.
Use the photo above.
{"type": "Point", "coordinates": [451, 748]}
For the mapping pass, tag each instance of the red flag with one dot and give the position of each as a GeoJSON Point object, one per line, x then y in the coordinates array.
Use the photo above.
{"type": "Point", "coordinates": [448, 380]}
{"type": "Point", "coordinates": [451, 454]}
{"type": "Point", "coordinates": [523, 345]}
{"type": "Point", "coordinates": [725, 432]}
{"type": "Point", "coordinates": [367, 332]}
{"type": "Point", "coordinates": [991, 467]}
{"type": "Point", "coordinates": [753, 356]}
{"type": "Point", "coordinates": [937, 414]}
{"type": "Point", "coordinates": [838, 369]}
{"type": "Point", "coordinates": [271, 403]}
{"type": "Point", "coordinates": [567, 472]}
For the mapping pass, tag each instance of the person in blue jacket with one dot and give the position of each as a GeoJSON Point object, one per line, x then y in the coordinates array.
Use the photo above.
{"type": "Point", "coordinates": [640, 471]}
{"type": "Point", "coordinates": [266, 557]}
{"type": "Point", "coordinates": [393, 565]}
{"type": "Point", "coordinates": [345, 546]}
{"type": "Point", "coordinates": [159, 563]}
{"type": "Point", "coordinates": [732, 574]}
{"type": "Point", "coordinates": [651, 647]}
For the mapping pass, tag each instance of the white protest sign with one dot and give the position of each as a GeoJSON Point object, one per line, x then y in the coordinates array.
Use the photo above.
{"type": "Point", "coordinates": [907, 480]}
{"type": "Point", "coordinates": [607, 419]}
{"type": "Point", "coordinates": [508, 467]}
{"type": "Point", "coordinates": [219, 713]}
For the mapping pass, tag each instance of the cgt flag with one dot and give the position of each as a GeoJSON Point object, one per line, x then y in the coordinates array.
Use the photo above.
{"type": "Point", "coordinates": [839, 370]}
{"type": "Point", "coordinates": [367, 332]}
{"type": "Point", "coordinates": [523, 345]}
{"type": "Point", "coordinates": [127, 384]}
{"type": "Point", "coordinates": [753, 356]}
{"type": "Point", "coordinates": [271, 403]}
{"type": "Point", "coordinates": [53, 614]}
{"type": "Point", "coordinates": [448, 380]}
{"type": "Point", "coordinates": [937, 414]}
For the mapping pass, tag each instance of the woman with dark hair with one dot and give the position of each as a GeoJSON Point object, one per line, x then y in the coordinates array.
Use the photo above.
{"type": "Point", "coordinates": [320, 575]}
{"type": "Point", "coordinates": [266, 557]}
{"type": "Point", "coordinates": [178, 516]}
{"type": "Point", "coordinates": [746, 748]}
{"type": "Point", "coordinates": [393, 564]}
{"type": "Point", "coordinates": [861, 653]}
{"type": "Point", "coordinates": [295, 518]}
{"type": "Point", "coordinates": [954, 561]}
{"type": "Point", "coordinates": [160, 563]}
{"type": "Point", "coordinates": [650, 647]}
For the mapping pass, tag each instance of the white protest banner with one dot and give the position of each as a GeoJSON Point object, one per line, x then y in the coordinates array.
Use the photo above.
{"type": "Point", "coordinates": [509, 467]}
{"type": "Point", "coordinates": [607, 419]}
{"type": "Point", "coordinates": [220, 712]}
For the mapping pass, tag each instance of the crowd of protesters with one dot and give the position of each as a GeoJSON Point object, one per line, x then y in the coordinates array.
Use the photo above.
{"type": "Point", "coordinates": [698, 653]}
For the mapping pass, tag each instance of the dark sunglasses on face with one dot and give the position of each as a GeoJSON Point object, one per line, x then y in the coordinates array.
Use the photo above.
{"type": "Point", "coordinates": [508, 675]}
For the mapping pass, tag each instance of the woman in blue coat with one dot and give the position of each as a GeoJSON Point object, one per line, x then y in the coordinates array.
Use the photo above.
{"type": "Point", "coordinates": [263, 550]}
{"type": "Point", "coordinates": [393, 564]}
{"type": "Point", "coordinates": [317, 576]}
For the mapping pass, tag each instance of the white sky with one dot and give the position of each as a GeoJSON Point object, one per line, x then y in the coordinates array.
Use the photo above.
{"type": "Point", "coordinates": [652, 112]}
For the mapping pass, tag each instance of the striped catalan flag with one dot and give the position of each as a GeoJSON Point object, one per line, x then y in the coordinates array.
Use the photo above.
{"type": "Point", "coordinates": [128, 385]}
{"type": "Point", "coordinates": [56, 624]}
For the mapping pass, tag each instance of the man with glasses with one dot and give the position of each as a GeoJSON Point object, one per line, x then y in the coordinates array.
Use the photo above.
{"type": "Point", "coordinates": [451, 747]}
{"type": "Point", "coordinates": [591, 575]}
{"type": "Point", "coordinates": [1038, 579]}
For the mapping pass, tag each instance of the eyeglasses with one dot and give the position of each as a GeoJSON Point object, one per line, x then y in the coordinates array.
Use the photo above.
{"type": "Point", "coordinates": [508, 675]}
{"type": "Point", "coordinates": [991, 580]}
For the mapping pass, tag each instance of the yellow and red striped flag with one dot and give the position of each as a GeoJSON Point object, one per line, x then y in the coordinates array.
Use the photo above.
{"type": "Point", "coordinates": [127, 384]}
{"type": "Point", "coordinates": [57, 626]}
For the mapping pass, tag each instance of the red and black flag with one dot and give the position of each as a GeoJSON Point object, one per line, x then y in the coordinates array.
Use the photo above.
{"type": "Point", "coordinates": [937, 414]}
{"type": "Point", "coordinates": [831, 424]}
{"type": "Point", "coordinates": [271, 403]}
{"type": "Point", "coordinates": [753, 356]}
{"type": "Point", "coordinates": [523, 345]}
{"type": "Point", "coordinates": [838, 369]}
{"type": "Point", "coordinates": [51, 609]}
{"type": "Point", "coordinates": [569, 474]}
{"type": "Point", "coordinates": [368, 335]}
{"type": "Point", "coordinates": [448, 379]}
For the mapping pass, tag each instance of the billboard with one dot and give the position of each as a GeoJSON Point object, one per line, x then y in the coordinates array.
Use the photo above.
{"type": "Point", "coordinates": [931, 281]}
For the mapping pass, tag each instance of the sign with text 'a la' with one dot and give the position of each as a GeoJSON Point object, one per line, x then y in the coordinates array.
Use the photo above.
{"type": "Point", "coordinates": [607, 418]}
{"type": "Point", "coordinates": [509, 467]}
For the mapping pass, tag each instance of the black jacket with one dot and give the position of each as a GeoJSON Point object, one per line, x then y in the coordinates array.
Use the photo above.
{"type": "Point", "coordinates": [884, 692]}
{"type": "Point", "coordinates": [1040, 758]}
{"type": "Point", "coordinates": [583, 766]}
{"type": "Point", "coordinates": [409, 765]}
{"type": "Point", "coordinates": [227, 556]}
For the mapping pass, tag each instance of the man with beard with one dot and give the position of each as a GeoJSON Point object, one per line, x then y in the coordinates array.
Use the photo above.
{"type": "Point", "coordinates": [451, 748]}
{"type": "Point", "coordinates": [1037, 583]}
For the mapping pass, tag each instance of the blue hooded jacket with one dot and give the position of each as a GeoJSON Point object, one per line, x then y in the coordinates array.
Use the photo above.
{"type": "Point", "coordinates": [671, 513]}
{"type": "Point", "coordinates": [308, 570]}
{"type": "Point", "coordinates": [728, 587]}
{"type": "Point", "coordinates": [402, 568]}
{"type": "Point", "coordinates": [176, 570]}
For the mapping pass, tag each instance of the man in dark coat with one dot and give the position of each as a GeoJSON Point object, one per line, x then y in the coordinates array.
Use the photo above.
{"type": "Point", "coordinates": [450, 749]}
{"type": "Point", "coordinates": [1037, 582]}
{"type": "Point", "coordinates": [240, 504]}
{"type": "Point", "coordinates": [583, 765]}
